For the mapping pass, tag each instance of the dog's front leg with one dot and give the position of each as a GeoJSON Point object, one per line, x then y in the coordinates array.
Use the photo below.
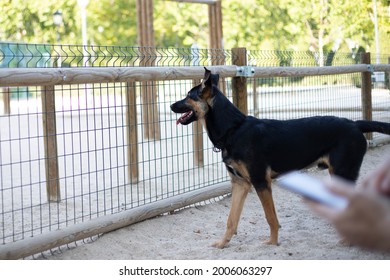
{"type": "Point", "coordinates": [240, 189]}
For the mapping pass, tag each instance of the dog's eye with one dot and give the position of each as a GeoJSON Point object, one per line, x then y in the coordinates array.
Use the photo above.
{"type": "Point", "coordinates": [193, 95]}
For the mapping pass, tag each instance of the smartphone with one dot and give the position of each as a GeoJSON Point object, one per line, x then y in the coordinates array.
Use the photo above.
{"type": "Point", "coordinates": [311, 188]}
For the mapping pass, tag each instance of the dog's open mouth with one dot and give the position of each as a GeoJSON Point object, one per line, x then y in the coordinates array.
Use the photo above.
{"type": "Point", "coordinates": [185, 118]}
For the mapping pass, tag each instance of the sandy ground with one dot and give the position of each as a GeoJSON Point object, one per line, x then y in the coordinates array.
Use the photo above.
{"type": "Point", "coordinates": [188, 234]}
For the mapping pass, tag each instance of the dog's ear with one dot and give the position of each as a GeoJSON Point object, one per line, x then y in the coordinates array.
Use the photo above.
{"type": "Point", "coordinates": [207, 74]}
{"type": "Point", "coordinates": [210, 79]}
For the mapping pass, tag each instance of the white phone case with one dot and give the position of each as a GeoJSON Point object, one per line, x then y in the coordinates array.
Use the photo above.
{"type": "Point", "coordinates": [311, 188]}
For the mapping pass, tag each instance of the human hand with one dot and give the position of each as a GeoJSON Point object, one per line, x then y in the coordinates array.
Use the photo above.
{"type": "Point", "coordinates": [365, 221]}
{"type": "Point", "coordinates": [379, 179]}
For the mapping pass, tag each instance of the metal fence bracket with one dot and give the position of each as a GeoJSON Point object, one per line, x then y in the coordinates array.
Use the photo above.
{"type": "Point", "coordinates": [245, 71]}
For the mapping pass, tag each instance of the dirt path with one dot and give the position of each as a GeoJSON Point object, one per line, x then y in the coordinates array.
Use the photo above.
{"type": "Point", "coordinates": [187, 234]}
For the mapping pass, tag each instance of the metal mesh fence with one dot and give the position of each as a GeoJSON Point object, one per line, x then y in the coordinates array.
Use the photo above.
{"type": "Point", "coordinates": [309, 97]}
{"type": "Point", "coordinates": [91, 137]}
{"type": "Point", "coordinates": [337, 95]}
{"type": "Point", "coordinates": [42, 55]}
{"type": "Point", "coordinates": [299, 59]}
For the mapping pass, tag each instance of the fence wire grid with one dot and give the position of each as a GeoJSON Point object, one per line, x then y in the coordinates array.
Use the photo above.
{"type": "Point", "coordinates": [16, 55]}
{"type": "Point", "coordinates": [92, 158]}
{"type": "Point", "coordinates": [91, 129]}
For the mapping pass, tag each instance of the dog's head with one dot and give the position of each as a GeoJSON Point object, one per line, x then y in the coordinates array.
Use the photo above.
{"type": "Point", "coordinates": [198, 100]}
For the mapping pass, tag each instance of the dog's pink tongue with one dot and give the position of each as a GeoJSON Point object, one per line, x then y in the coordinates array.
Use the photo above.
{"type": "Point", "coordinates": [179, 120]}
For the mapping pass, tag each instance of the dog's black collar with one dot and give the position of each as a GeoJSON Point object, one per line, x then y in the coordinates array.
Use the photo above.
{"type": "Point", "coordinates": [220, 144]}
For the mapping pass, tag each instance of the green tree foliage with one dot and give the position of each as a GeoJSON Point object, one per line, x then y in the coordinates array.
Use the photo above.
{"type": "Point", "coordinates": [112, 22]}
{"type": "Point", "coordinates": [340, 25]}
{"type": "Point", "coordinates": [258, 24]}
{"type": "Point", "coordinates": [180, 24]}
{"type": "Point", "coordinates": [316, 25]}
{"type": "Point", "coordinates": [32, 21]}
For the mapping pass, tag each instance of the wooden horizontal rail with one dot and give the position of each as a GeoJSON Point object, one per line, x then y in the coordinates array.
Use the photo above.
{"type": "Point", "coordinates": [89, 75]}
{"type": "Point", "coordinates": [381, 67]}
{"type": "Point", "coordinates": [61, 76]}
{"type": "Point", "coordinates": [261, 72]}
{"type": "Point", "coordinates": [46, 241]}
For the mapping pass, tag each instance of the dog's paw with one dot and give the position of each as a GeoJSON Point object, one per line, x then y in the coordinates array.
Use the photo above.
{"type": "Point", "coordinates": [219, 244]}
{"type": "Point", "coordinates": [345, 242]}
{"type": "Point", "coordinates": [272, 242]}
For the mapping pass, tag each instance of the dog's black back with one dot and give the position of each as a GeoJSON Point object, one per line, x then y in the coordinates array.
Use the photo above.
{"type": "Point", "coordinates": [284, 146]}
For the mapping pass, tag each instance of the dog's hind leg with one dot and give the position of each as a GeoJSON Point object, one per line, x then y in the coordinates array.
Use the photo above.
{"type": "Point", "coordinates": [346, 158]}
{"type": "Point", "coordinates": [265, 195]}
{"type": "Point", "coordinates": [240, 189]}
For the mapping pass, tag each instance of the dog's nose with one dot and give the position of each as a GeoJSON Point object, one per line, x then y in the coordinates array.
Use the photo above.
{"type": "Point", "coordinates": [173, 106]}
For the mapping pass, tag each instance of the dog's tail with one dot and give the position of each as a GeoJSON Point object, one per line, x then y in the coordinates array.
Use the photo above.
{"type": "Point", "coordinates": [373, 126]}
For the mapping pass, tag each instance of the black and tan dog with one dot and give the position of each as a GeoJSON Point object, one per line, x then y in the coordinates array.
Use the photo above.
{"type": "Point", "coordinates": [255, 150]}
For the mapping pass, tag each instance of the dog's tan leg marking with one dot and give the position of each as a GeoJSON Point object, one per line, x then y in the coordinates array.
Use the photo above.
{"type": "Point", "coordinates": [240, 190]}
{"type": "Point", "coordinates": [267, 201]}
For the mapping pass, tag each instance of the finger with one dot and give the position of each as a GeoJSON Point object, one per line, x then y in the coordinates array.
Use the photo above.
{"type": "Point", "coordinates": [373, 180]}
{"type": "Point", "coordinates": [376, 180]}
{"type": "Point", "coordinates": [384, 186]}
{"type": "Point", "coordinates": [322, 210]}
{"type": "Point", "coordinates": [370, 181]}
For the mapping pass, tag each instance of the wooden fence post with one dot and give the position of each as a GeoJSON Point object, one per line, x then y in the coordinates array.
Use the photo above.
{"type": "Point", "coordinates": [145, 31]}
{"type": "Point", "coordinates": [217, 53]}
{"type": "Point", "coordinates": [197, 138]}
{"type": "Point", "coordinates": [239, 84]}
{"type": "Point", "coordinates": [50, 143]}
{"type": "Point", "coordinates": [132, 133]}
{"type": "Point", "coordinates": [7, 100]}
{"type": "Point", "coordinates": [150, 113]}
{"type": "Point", "coordinates": [387, 77]}
{"type": "Point", "coordinates": [256, 111]}
{"type": "Point", "coordinates": [366, 91]}
{"type": "Point", "coordinates": [215, 25]}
